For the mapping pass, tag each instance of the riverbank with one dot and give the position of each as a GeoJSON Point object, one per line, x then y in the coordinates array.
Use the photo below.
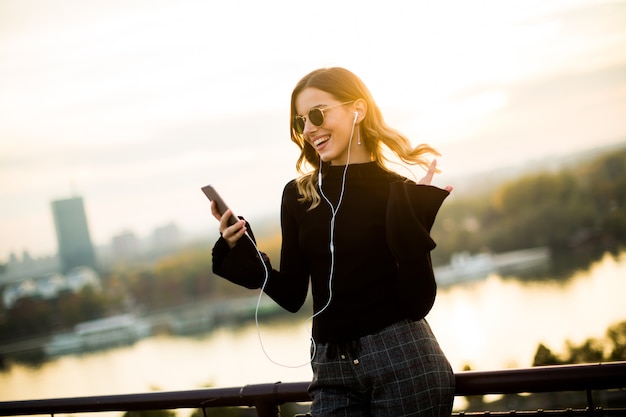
{"type": "Point", "coordinates": [127, 329]}
{"type": "Point", "coordinates": [495, 323]}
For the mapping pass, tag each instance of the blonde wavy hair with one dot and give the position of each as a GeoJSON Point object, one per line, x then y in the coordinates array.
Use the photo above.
{"type": "Point", "coordinates": [376, 135]}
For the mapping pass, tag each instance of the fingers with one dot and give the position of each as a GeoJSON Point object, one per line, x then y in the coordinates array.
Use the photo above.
{"type": "Point", "coordinates": [231, 233]}
{"type": "Point", "coordinates": [215, 212]}
{"type": "Point", "coordinates": [428, 178]}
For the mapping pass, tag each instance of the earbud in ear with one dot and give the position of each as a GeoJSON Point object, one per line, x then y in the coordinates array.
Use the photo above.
{"type": "Point", "coordinates": [356, 114]}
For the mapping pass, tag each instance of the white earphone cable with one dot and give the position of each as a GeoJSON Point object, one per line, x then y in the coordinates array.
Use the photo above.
{"type": "Point", "coordinates": [334, 211]}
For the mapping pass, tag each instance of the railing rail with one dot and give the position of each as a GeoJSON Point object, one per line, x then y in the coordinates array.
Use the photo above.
{"type": "Point", "coordinates": [267, 397]}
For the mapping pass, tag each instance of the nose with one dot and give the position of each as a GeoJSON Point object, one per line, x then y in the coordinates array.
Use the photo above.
{"type": "Point", "coordinates": [308, 127]}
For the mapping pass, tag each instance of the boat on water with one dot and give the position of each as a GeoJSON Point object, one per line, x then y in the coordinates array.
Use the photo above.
{"type": "Point", "coordinates": [465, 267]}
{"type": "Point", "coordinates": [62, 344]}
{"type": "Point", "coordinates": [117, 330]}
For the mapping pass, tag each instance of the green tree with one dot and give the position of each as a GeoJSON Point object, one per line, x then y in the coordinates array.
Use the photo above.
{"type": "Point", "coordinates": [191, 269]}
{"type": "Point", "coordinates": [616, 335]}
{"type": "Point", "coordinates": [29, 316]}
{"type": "Point", "coordinates": [611, 348]}
{"type": "Point", "coordinates": [544, 356]}
{"type": "Point", "coordinates": [581, 208]}
{"type": "Point", "coordinates": [591, 350]}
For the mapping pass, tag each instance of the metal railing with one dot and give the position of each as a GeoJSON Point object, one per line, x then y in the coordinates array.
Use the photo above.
{"type": "Point", "coordinates": [266, 398]}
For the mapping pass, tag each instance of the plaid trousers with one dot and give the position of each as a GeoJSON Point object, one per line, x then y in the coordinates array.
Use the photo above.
{"type": "Point", "coordinates": [399, 371]}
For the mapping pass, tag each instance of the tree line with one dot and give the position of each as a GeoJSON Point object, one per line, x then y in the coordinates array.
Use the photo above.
{"type": "Point", "coordinates": [612, 347]}
{"type": "Point", "coordinates": [178, 279]}
{"type": "Point", "coordinates": [579, 210]}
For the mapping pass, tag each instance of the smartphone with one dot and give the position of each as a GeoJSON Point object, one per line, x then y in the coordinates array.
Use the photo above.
{"type": "Point", "coordinates": [212, 195]}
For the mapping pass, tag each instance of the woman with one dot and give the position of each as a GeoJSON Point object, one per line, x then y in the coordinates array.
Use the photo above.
{"type": "Point", "coordinates": [359, 234]}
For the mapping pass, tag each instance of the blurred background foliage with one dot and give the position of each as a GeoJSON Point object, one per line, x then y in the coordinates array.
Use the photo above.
{"type": "Point", "coordinates": [578, 212]}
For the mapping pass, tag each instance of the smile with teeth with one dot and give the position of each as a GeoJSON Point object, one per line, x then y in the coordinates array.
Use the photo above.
{"type": "Point", "coordinates": [321, 140]}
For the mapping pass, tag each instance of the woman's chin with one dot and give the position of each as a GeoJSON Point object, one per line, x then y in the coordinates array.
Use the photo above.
{"type": "Point", "coordinates": [325, 157]}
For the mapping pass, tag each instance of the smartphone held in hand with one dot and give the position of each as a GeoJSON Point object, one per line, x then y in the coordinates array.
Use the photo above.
{"type": "Point", "coordinates": [213, 195]}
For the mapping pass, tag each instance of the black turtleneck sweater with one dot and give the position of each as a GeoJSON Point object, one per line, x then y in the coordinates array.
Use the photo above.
{"type": "Point", "coordinates": [381, 271]}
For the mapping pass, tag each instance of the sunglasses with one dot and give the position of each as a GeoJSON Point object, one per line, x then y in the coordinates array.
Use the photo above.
{"type": "Point", "coordinates": [316, 116]}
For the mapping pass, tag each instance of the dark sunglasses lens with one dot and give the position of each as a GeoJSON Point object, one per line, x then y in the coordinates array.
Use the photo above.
{"type": "Point", "coordinates": [298, 124]}
{"type": "Point", "coordinates": [316, 116]}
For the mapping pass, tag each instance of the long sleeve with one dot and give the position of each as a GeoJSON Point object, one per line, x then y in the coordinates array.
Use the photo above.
{"type": "Point", "coordinates": [289, 286]}
{"type": "Point", "coordinates": [242, 266]}
{"type": "Point", "coordinates": [364, 252]}
{"type": "Point", "coordinates": [411, 212]}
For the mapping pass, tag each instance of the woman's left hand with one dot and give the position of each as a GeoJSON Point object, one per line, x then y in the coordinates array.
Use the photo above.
{"type": "Point", "coordinates": [428, 178]}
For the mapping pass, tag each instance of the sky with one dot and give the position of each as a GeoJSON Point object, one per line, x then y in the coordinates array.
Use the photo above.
{"type": "Point", "coordinates": [136, 104]}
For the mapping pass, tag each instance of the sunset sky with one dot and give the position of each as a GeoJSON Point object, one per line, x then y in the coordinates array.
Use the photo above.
{"type": "Point", "coordinates": [136, 104]}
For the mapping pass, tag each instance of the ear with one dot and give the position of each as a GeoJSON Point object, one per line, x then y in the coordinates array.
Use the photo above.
{"type": "Point", "coordinates": [360, 106]}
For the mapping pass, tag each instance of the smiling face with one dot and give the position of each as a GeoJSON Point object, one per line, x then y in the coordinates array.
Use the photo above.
{"type": "Point", "coordinates": [331, 140]}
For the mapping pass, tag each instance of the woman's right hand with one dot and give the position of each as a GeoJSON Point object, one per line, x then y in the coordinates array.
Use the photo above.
{"type": "Point", "coordinates": [428, 178]}
{"type": "Point", "coordinates": [231, 234]}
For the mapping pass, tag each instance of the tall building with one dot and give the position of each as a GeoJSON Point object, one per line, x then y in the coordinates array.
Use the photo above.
{"type": "Point", "coordinates": [74, 241]}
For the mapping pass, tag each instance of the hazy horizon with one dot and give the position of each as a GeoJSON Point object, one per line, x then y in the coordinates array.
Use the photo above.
{"type": "Point", "coordinates": [135, 105]}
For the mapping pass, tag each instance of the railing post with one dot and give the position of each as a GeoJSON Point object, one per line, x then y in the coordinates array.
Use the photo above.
{"type": "Point", "coordinates": [264, 409]}
{"type": "Point", "coordinates": [266, 403]}
{"type": "Point", "coordinates": [590, 401]}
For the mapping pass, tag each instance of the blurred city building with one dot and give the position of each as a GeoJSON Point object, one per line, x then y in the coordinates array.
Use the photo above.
{"type": "Point", "coordinates": [50, 286]}
{"type": "Point", "coordinates": [19, 269]}
{"type": "Point", "coordinates": [76, 251]}
{"type": "Point", "coordinates": [166, 237]}
{"type": "Point", "coordinates": [125, 246]}
{"type": "Point", "coordinates": [74, 241]}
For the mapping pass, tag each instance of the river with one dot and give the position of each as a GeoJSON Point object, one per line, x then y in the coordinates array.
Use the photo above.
{"type": "Point", "coordinates": [488, 324]}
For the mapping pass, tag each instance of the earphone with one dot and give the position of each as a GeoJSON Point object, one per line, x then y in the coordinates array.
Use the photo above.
{"type": "Point", "coordinates": [331, 247]}
{"type": "Point", "coordinates": [256, 314]}
{"type": "Point", "coordinates": [334, 210]}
